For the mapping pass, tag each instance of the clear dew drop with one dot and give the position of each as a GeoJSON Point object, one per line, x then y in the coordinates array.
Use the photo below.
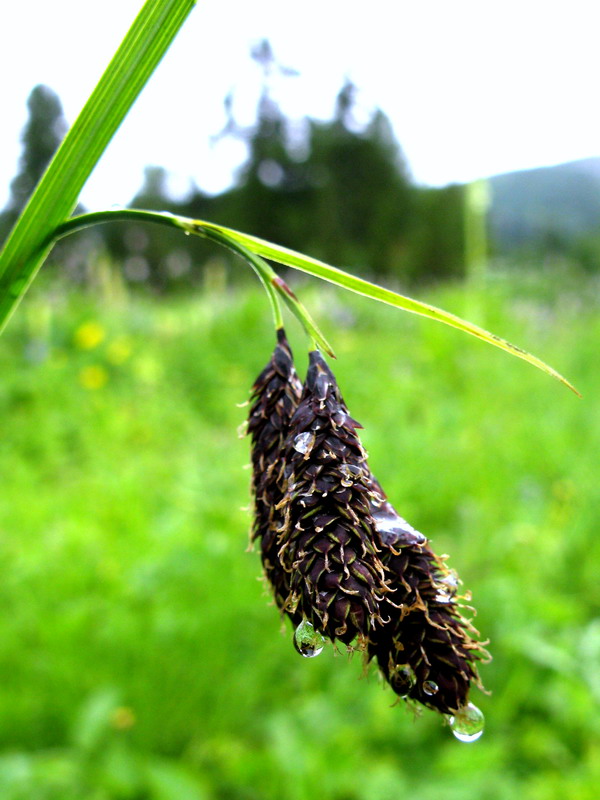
{"type": "Point", "coordinates": [430, 688]}
{"type": "Point", "coordinates": [351, 471]}
{"type": "Point", "coordinates": [350, 474]}
{"type": "Point", "coordinates": [443, 597]}
{"type": "Point", "coordinates": [451, 580]}
{"type": "Point", "coordinates": [307, 641]}
{"type": "Point", "coordinates": [393, 529]}
{"type": "Point", "coordinates": [304, 442]}
{"type": "Point", "coordinates": [467, 725]}
{"type": "Point", "coordinates": [402, 681]}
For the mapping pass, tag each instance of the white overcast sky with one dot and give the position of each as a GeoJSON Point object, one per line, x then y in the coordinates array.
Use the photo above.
{"type": "Point", "coordinates": [472, 88]}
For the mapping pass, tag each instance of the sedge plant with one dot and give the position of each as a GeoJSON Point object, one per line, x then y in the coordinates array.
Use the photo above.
{"type": "Point", "coordinates": [342, 563]}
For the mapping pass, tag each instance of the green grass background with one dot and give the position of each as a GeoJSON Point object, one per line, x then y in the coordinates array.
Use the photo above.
{"type": "Point", "coordinates": [139, 655]}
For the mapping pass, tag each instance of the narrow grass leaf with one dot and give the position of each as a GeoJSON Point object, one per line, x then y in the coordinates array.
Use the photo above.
{"type": "Point", "coordinates": [353, 283]}
{"type": "Point", "coordinates": [312, 266]}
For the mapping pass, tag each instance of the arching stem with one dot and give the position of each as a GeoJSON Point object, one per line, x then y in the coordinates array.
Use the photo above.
{"type": "Point", "coordinates": [271, 281]}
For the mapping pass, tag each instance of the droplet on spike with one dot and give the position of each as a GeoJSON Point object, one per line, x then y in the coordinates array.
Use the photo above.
{"type": "Point", "coordinates": [396, 531]}
{"type": "Point", "coordinates": [467, 725]}
{"type": "Point", "coordinates": [451, 579]}
{"type": "Point", "coordinates": [350, 474]}
{"type": "Point", "coordinates": [402, 680]}
{"type": "Point", "coordinates": [308, 641]}
{"type": "Point", "coordinates": [430, 688]}
{"type": "Point", "coordinates": [304, 442]}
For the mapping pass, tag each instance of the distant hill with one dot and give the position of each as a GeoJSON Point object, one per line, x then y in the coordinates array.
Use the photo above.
{"type": "Point", "coordinates": [533, 205]}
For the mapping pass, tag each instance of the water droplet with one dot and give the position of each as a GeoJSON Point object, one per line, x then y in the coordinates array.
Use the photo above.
{"type": "Point", "coordinates": [396, 531]}
{"type": "Point", "coordinates": [468, 723]}
{"type": "Point", "coordinates": [430, 688]}
{"type": "Point", "coordinates": [402, 680]}
{"type": "Point", "coordinates": [350, 474]}
{"type": "Point", "coordinates": [442, 597]}
{"type": "Point", "coordinates": [307, 641]}
{"type": "Point", "coordinates": [304, 442]}
{"type": "Point", "coordinates": [451, 580]}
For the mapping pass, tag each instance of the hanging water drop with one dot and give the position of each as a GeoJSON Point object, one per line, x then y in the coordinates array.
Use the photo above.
{"type": "Point", "coordinates": [304, 442]}
{"type": "Point", "coordinates": [467, 725]}
{"type": "Point", "coordinates": [308, 641]}
{"type": "Point", "coordinates": [402, 680]}
{"type": "Point", "coordinates": [430, 688]}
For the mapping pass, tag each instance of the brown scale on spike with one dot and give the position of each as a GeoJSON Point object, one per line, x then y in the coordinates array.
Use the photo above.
{"type": "Point", "coordinates": [327, 543]}
{"type": "Point", "coordinates": [275, 396]}
{"type": "Point", "coordinates": [425, 648]}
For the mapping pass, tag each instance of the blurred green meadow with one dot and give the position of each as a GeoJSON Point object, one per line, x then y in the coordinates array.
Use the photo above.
{"type": "Point", "coordinates": [140, 657]}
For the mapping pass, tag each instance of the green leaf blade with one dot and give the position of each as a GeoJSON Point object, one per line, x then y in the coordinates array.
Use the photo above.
{"type": "Point", "coordinates": [312, 266]}
{"type": "Point", "coordinates": [56, 195]}
{"type": "Point", "coordinates": [353, 283]}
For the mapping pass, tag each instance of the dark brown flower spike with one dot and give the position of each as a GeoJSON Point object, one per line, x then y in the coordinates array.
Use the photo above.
{"type": "Point", "coordinates": [341, 561]}
{"type": "Point", "coordinates": [327, 543]}
{"type": "Point", "coordinates": [426, 649]}
{"type": "Point", "coordinates": [275, 396]}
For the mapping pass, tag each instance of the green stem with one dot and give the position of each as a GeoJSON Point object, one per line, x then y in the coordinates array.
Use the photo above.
{"type": "Point", "coordinates": [274, 282]}
{"type": "Point", "coordinates": [271, 281]}
{"type": "Point", "coordinates": [93, 218]}
{"type": "Point", "coordinates": [315, 337]}
{"type": "Point", "coordinates": [262, 269]}
{"type": "Point", "coordinates": [265, 273]}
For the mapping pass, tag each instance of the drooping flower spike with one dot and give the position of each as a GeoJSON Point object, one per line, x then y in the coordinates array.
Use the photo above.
{"type": "Point", "coordinates": [342, 562]}
{"type": "Point", "coordinates": [327, 547]}
{"type": "Point", "coordinates": [426, 649]}
{"type": "Point", "coordinates": [275, 396]}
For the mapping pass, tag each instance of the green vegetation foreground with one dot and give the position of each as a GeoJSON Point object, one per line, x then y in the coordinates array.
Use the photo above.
{"type": "Point", "coordinates": [140, 656]}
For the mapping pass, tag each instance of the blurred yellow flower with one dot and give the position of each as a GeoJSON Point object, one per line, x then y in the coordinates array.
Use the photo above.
{"type": "Point", "coordinates": [89, 335]}
{"type": "Point", "coordinates": [93, 377]}
{"type": "Point", "coordinates": [119, 350]}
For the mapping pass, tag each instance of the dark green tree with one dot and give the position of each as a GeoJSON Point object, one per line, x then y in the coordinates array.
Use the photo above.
{"type": "Point", "coordinates": [436, 241]}
{"type": "Point", "coordinates": [363, 193]}
{"type": "Point", "coordinates": [345, 195]}
{"type": "Point", "coordinates": [339, 190]}
{"type": "Point", "coordinates": [41, 137]}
